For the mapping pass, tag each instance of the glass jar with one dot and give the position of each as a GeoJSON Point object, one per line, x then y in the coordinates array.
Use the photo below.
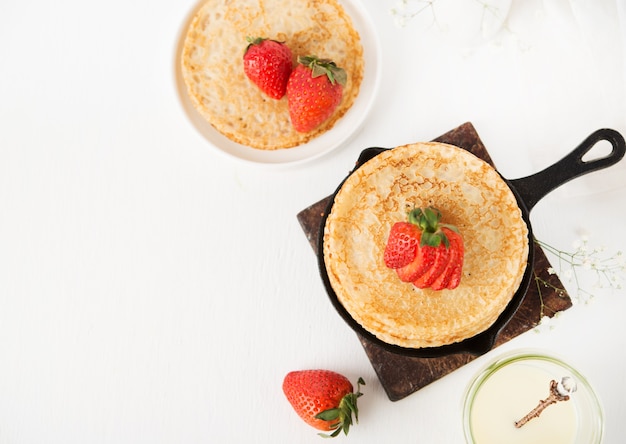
{"type": "Point", "coordinates": [511, 386]}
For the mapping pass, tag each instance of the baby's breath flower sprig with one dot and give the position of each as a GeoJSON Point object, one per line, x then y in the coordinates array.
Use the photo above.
{"type": "Point", "coordinates": [403, 12]}
{"type": "Point", "coordinates": [406, 10]}
{"type": "Point", "coordinates": [541, 283]}
{"type": "Point", "coordinates": [607, 270]}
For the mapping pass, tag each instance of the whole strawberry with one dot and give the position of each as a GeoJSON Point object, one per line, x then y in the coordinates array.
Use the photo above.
{"type": "Point", "coordinates": [268, 64]}
{"type": "Point", "coordinates": [323, 399]}
{"type": "Point", "coordinates": [314, 91]}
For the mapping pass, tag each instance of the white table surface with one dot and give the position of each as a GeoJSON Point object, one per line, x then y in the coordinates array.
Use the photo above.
{"type": "Point", "coordinates": [155, 291]}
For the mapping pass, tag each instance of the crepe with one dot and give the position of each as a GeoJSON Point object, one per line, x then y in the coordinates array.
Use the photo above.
{"type": "Point", "coordinates": [471, 195]}
{"type": "Point", "coordinates": [212, 65]}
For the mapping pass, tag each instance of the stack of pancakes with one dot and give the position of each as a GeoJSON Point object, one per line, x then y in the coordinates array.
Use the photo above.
{"type": "Point", "coordinates": [472, 196]}
{"type": "Point", "coordinates": [212, 64]}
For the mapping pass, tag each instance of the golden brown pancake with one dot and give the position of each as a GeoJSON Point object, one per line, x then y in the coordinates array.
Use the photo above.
{"type": "Point", "coordinates": [212, 65]}
{"type": "Point", "coordinates": [471, 195]}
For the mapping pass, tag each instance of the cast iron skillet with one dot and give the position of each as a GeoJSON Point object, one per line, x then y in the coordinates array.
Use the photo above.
{"type": "Point", "coordinates": [528, 191]}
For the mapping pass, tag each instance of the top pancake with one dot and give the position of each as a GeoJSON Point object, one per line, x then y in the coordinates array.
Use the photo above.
{"type": "Point", "coordinates": [471, 195]}
{"type": "Point", "coordinates": [212, 64]}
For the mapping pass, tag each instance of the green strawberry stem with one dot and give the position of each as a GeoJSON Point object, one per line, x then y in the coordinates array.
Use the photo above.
{"type": "Point", "coordinates": [343, 413]}
{"type": "Point", "coordinates": [256, 41]}
{"type": "Point", "coordinates": [253, 41]}
{"type": "Point", "coordinates": [428, 220]}
{"type": "Point", "coordinates": [320, 67]}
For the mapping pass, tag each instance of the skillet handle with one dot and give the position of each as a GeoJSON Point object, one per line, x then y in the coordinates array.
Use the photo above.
{"type": "Point", "coordinates": [533, 188]}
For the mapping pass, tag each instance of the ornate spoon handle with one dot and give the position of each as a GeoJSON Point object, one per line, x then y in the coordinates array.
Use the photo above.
{"type": "Point", "coordinates": [559, 391]}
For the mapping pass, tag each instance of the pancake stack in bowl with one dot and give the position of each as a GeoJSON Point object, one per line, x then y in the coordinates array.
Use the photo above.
{"type": "Point", "coordinates": [213, 71]}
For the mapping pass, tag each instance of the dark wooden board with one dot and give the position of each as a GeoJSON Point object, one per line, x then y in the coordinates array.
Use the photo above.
{"type": "Point", "coordinates": [401, 376]}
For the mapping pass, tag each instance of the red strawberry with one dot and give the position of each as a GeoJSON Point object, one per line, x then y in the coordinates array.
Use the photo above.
{"type": "Point", "coordinates": [442, 256]}
{"type": "Point", "coordinates": [457, 271]}
{"type": "Point", "coordinates": [451, 276]}
{"type": "Point", "coordinates": [402, 244]}
{"type": "Point", "coordinates": [268, 64]}
{"type": "Point", "coordinates": [323, 399]}
{"type": "Point", "coordinates": [438, 260]}
{"type": "Point", "coordinates": [423, 261]}
{"type": "Point", "coordinates": [314, 91]}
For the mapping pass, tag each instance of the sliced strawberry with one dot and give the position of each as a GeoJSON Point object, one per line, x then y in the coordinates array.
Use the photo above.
{"type": "Point", "coordinates": [455, 261]}
{"type": "Point", "coordinates": [402, 244]}
{"type": "Point", "coordinates": [442, 257]}
{"type": "Point", "coordinates": [442, 281]}
{"type": "Point", "coordinates": [424, 260]}
{"type": "Point", "coordinates": [437, 260]}
{"type": "Point", "coordinates": [455, 278]}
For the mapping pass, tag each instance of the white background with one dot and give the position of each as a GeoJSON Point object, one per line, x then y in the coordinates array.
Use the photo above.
{"type": "Point", "coordinates": [153, 290]}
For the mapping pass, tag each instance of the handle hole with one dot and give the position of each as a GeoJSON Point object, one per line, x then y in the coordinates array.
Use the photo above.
{"type": "Point", "coordinates": [601, 150]}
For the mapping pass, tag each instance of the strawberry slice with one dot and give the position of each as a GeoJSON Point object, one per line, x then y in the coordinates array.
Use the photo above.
{"type": "Point", "coordinates": [455, 278]}
{"type": "Point", "coordinates": [402, 244]}
{"type": "Point", "coordinates": [455, 262]}
{"type": "Point", "coordinates": [424, 260]}
{"type": "Point", "coordinates": [442, 257]}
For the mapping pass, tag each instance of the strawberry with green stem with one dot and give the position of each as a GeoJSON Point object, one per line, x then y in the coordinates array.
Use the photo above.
{"type": "Point", "coordinates": [323, 399]}
{"type": "Point", "coordinates": [438, 259]}
{"type": "Point", "coordinates": [314, 91]}
{"type": "Point", "coordinates": [268, 64]}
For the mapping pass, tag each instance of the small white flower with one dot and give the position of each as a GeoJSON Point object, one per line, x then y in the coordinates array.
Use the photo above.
{"type": "Point", "coordinates": [580, 245]}
{"type": "Point", "coordinates": [566, 386]}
